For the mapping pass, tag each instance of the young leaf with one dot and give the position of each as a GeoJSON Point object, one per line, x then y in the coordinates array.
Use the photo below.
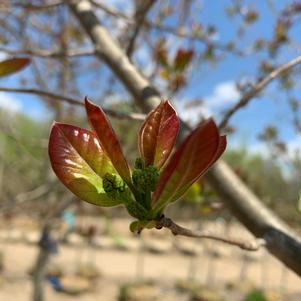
{"type": "Point", "coordinates": [191, 160]}
{"type": "Point", "coordinates": [182, 59]}
{"type": "Point", "coordinates": [158, 134]}
{"type": "Point", "coordinates": [10, 66]}
{"type": "Point", "coordinates": [108, 140]}
{"type": "Point", "coordinates": [80, 163]}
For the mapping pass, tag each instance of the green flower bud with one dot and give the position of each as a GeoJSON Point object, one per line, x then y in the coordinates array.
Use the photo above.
{"type": "Point", "coordinates": [145, 179]}
{"type": "Point", "coordinates": [139, 164]}
{"type": "Point", "coordinates": [113, 184]}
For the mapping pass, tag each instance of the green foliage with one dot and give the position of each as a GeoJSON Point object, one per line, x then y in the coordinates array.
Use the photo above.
{"type": "Point", "coordinates": [23, 154]}
{"type": "Point", "coordinates": [265, 176]}
{"type": "Point", "coordinates": [253, 168]}
{"type": "Point", "coordinates": [255, 295]}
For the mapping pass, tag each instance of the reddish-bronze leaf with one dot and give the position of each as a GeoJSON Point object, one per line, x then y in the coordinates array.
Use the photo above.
{"type": "Point", "coordinates": [158, 134]}
{"type": "Point", "coordinates": [80, 163]}
{"type": "Point", "coordinates": [108, 140]}
{"type": "Point", "coordinates": [10, 66]}
{"type": "Point", "coordinates": [182, 59]}
{"type": "Point", "coordinates": [191, 160]}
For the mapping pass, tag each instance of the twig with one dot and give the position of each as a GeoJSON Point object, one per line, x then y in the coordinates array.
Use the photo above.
{"type": "Point", "coordinates": [37, 7]}
{"type": "Point", "coordinates": [246, 98]}
{"type": "Point", "coordinates": [168, 29]}
{"type": "Point", "coordinates": [165, 222]}
{"type": "Point", "coordinates": [112, 12]}
{"type": "Point", "coordinates": [27, 196]}
{"type": "Point", "coordinates": [73, 101]}
{"type": "Point", "coordinates": [48, 53]}
{"type": "Point", "coordinates": [143, 8]}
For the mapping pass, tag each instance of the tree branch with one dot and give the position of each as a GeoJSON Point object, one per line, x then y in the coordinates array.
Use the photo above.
{"type": "Point", "coordinates": [37, 7]}
{"type": "Point", "coordinates": [256, 89]}
{"type": "Point", "coordinates": [143, 8]}
{"type": "Point", "coordinates": [263, 223]}
{"type": "Point", "coordinates": [148, 24]}
{"type": "Point", "coordinates": [165, 222]}
{"type": "Point", "coordinates": [72, 101]}
{"type": "Point", "coordinates": [48, 53]}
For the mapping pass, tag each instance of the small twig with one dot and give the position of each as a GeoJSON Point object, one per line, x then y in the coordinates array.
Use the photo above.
{"type": "Point", "coordinates": [140, 15]}
{"type": "Point", "coordinates": [246, 98]}
{"type": "Point", "coordinates": [37, 7]}
{"type": "Point", "coordinates": [165, 222]}
{"type": "Point", "coordinates": [167, 29]}
{"type": "Point", "coordinates": [73, 101]}
{"type": "Point", "coordinates": [48, 53]}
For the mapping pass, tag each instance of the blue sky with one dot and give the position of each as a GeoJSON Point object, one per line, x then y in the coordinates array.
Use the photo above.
{"type": "Point", "coordinates": [215, 84]}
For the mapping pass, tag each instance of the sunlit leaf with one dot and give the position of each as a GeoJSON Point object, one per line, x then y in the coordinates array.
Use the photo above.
{"type": "Point", "coordinates": [158, 134]}
{"type": "Point", "coordinates": [80, 163]}
{"type": "Point", "coordinates": [108, 140]}
{"type": "Point", "coordinates": [191, 160]}
{"type": "Point", "coordinates": [10, 66]}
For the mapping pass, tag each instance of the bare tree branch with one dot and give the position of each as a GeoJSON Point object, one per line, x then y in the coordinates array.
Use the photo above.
{"type": "Point", "coordinates": [281, 240]}
{"type": "Point", "coordinates": [148, 24]}
{"type": "Point", "coordinates": [27, 196]}
{"type": "Point", "coordinates": [73, 101]}
{"type": "Point", "coordinates": [246, 98]}
{"type": "Point", "coordinates": [165, 222]}
{"type": "Point", "coordinates": [48, 53]}
{"type": "Point", "coordinates": [143, 8]}
{"type": "Point", "coordinates": [112, 12]}
{"type": "Point", "coordinates": [37, 7]}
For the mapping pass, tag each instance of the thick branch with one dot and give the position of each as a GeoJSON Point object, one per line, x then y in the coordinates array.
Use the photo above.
{"type": "Point", "coordinates": [281, 241]}
{"type": "Point", "coordinates": [108, 51]}
{"type": "Point", "coordinates": [72, 101]}
{"type": "Point", "coordinates": [165, 222]}
{"type": "Point", "coordinates": [262, 222]}
{"type": "Point", "coordinates": [246, 98]}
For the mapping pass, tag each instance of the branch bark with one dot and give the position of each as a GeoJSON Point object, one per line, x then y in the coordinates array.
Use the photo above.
{"type": "Point", "coordinates": [281, 240]}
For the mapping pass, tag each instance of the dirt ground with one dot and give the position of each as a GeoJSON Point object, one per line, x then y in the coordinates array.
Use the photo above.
{"type": "Point", "coordinates": [158, 257]}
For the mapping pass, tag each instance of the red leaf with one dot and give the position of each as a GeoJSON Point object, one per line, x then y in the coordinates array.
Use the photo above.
{"type": "Point", "coordinates": [182, 59]}
{"type": "Point", "coordinates": [158, 134]}
{"type": "Point", "coordinates": [108, 140]}
{"type": "Point", "coordinates": [10, 66]}
{"type": "Point", "coordinates": [80, 163]}
{"type": "Point", "coordinates": [191, 160]}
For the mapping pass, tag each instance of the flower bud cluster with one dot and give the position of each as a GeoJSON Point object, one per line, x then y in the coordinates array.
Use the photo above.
{"type": "Point", "coordinates": [145, 179]}
{"type": "Point", "coordinates": [113, 185]}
